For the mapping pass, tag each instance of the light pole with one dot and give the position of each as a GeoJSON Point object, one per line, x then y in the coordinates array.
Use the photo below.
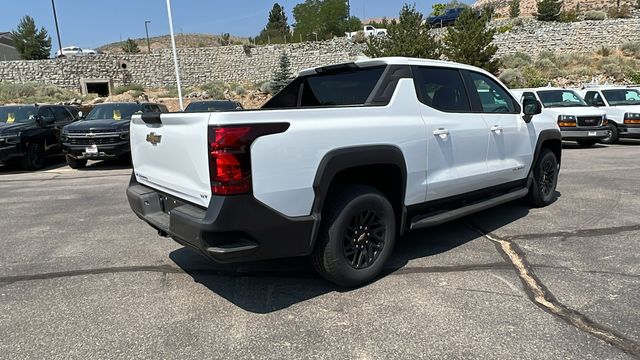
{"type": "Point", "coordinates": [55, 18]}
{"type": "Point", "coordinates": [146, 29]}
{"type": "Point", "coordinates": [175, 54]}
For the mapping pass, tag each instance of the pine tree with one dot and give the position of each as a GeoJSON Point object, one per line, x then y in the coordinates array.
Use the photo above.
{"type": "Point", "coordinates": [130, 46]}
{"type": "Point", "coordinates": [514, 9]}
{"type": "Point", "coordinates": [409, 36]}
{"type": "Point", "coordinates": [549, 10]}
{"type": "Point", "coordinates": [469, 41]}
{"type": "Point", "coordinates": [31, 43]}
{"type": "Point", "coordinates": [282, 76]}
{"type": "Point", "coordinates": [277, 26]}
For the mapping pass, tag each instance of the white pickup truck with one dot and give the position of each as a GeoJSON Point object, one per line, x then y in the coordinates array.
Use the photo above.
{"type": "Point", "coordinates": [368, 31]}
{"type": "Point", "coordinates": [622, 106]}
{"type": "Point", "coordinates": [578, 121]}
{"type": "Point", "coordinates": [340, 163]}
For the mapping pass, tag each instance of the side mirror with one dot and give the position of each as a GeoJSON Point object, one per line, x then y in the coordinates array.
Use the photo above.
{"type": "Point", "coordinates": [80, 115]}
{"type": "Point", "coordinates": [531, 107]}
{"type": "Point", "coordinates": [597, 102]}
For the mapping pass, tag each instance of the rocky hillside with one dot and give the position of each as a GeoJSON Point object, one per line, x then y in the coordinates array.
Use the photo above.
{"type": "Point", "coordinates": [164, 42]}
{"type": "Point", "coordinates": [529, 7]}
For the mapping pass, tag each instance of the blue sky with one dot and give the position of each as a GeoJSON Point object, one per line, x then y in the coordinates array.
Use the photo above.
{"type": "Point", "coordinates": [91, 23]}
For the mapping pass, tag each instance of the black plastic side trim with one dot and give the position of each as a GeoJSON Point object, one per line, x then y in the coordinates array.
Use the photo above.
{"type": "Point", "coordinates": [347, 158]}
{"type": "Point", "coordinates": [151, 118]}
{"type": "Point", "coordinates": [546, 135]}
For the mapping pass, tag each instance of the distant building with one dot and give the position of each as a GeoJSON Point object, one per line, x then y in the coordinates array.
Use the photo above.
{"type": "Point", "coordinates": [7, 50]}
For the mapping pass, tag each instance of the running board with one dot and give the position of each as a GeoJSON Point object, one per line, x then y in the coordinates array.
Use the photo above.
{"type": "Point", "coordinates": [467, 210]}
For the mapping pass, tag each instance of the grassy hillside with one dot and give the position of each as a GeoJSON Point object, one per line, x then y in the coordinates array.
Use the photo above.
{"type": "Point", "coordinates": [164, 42]}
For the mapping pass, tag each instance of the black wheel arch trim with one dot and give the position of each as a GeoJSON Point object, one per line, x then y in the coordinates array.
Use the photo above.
{"type": "Point", "coordinates": [543, 137]}
{"type": "Point", "coordinates": [347, 158]}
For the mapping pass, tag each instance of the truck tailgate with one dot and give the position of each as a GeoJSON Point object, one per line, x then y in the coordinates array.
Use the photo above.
{"type": "Point", "coordinates": [171, 155]}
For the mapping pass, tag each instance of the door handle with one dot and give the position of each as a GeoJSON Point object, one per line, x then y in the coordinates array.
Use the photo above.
{"type": "Point", "coordinates": [496, 129]}
{"type": "Point", "coordinates": [442, 132]}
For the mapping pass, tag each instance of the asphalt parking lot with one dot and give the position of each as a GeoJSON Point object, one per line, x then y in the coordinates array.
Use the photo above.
{"type": "Point", "coordinates": [82, 277]}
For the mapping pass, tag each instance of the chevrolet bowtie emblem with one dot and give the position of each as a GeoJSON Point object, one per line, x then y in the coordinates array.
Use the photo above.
{"type": "Point", "coordinates": [154, 138]}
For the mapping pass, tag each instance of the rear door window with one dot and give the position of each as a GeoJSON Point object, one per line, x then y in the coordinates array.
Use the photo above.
{"type": "Point", "coordinates": [441, 88]}
{"type": "Point", "coordinates": [345, 86]}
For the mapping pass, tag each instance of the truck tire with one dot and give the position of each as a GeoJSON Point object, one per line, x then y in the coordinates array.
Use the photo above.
{"type": "Point", "coordinates": [586, 143]}
{"type": "Point", "coordinates": [613, 135]}
{"type": "Point", "coordinates": [545, 179]}
{"type": "Point", "coordinates": [356, 237]}
{"type": "Point", "coordinates": [34, 159]}
{"type": "Point", "coordinates": [75, 163]}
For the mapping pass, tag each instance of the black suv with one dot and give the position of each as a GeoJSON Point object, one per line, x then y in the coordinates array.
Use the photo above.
{"type": "Point", "coordinates": [30, 133]}
{"type": "Point", "coordinates": [104, 133]}
{"type": "Point", "coordinates": [213, 105]}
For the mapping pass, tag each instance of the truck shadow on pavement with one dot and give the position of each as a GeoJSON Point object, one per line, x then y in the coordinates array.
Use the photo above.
{"type": "Point", "coordinates": [268, 286]}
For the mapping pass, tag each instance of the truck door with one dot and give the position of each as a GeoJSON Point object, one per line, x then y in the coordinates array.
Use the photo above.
{"type": "Point", "coordinates": [511, 139]}
{"type": "Point", "coordinates": [457, 138]}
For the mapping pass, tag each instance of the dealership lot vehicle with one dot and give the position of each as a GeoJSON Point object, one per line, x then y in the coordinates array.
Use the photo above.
{"type": "Point", "coordinates": [577, 121]}
{"type": "Point", "coordinates": [213, 105]}
{"type": "Point", "coordinates": [343, 160]}
{"type": "Point", "coordinates": [104, 133]}
{"type": "Point", "coordinates": [622, 106]}
{"type": "Point", "coordinates": [74, 51]}
{"type": "Point", "coordinates": [31, 133]}
{"type": "Point", "coordinates": [74, 285]}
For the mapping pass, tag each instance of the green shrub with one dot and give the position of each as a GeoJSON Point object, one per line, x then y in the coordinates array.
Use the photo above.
{"type": "Point", "coordinates": [239, 90]}
{"type": "Point", "coordinates": [123, 89]}
{"type": "Point", "coordinates": [515, 60]}
{"type": "Point", "coordinates": [631, 49]}
{"type": "Point", "coordinates": [613, 70]}
{"type": "Point", "coordinates": [266, 87]}
{"type": "Point", "coordinates": [621, 12]}
{"type": "Point", "coordinates": [568, 16]}
{"type": "Point", "coordinates": [170, 91]}
{"type": "Point", "coordinates": [504, 28]}
{"type": "Point", "coordinates": [533, 77]}
{"type": "Point", "coordinates": [136, 93]}
{"type": "Point", "coordinates": [595, 15]}
{"type": "Point", "coordinates": [513, 78]}
{"type": "Point", "coordinates": [604, 51]}
{"type": "Point", "coordinates": [546, 54]}
{"type": "Point", "coordinates": [34, 93]}
{"type": "Point", "coordinates": [215, 89]}
{"type": "Point", "coordinates": [360, 38]}
{"type": "Point", "coordinates": [634, 76]}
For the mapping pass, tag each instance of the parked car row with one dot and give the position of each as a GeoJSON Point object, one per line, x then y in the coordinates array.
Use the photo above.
{"type": "Point", "coordinates": [605, 114]}
{"type": "Point", "coordinates": [29, 134]}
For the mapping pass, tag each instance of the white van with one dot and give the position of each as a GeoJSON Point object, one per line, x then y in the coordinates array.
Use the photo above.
{"type": "Point", "coordinates": [577, 120]}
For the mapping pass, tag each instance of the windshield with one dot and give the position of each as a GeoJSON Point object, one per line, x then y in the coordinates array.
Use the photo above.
{"type": "Point", "coordinates": [211, 106]}
{"type": "Point", "coordinates": [560, 98]}
{"type": "Point", "coordinates": [114, 111]}
{"type": "Point", "coordinates": [17, 114]}
{"type": "Point", "coordinates": [622, 97]}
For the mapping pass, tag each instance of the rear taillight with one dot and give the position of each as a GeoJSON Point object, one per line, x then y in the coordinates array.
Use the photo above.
{"type": "Point", "coordinates": [230, 155]}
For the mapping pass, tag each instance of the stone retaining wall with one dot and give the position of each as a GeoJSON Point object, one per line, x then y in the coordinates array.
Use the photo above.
{"type": "Point", "coordinates": [251, 65]}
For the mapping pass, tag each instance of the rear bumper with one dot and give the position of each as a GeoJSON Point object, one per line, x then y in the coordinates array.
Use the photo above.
{"type": "Point", "coordinates": [232, 229]}
{"type": "Point", "coordinates": [105, 152]}
{"type": "Point", "coordinates": [595, 133]}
